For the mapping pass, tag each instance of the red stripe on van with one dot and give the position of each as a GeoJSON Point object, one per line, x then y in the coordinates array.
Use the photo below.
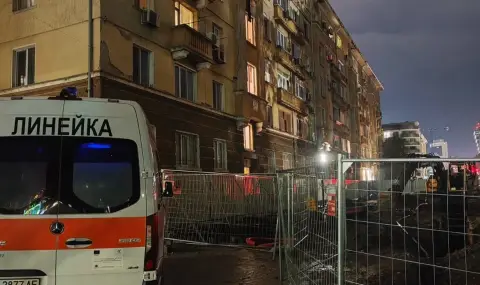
{"type": "Point", "coordinates": [34, 234]}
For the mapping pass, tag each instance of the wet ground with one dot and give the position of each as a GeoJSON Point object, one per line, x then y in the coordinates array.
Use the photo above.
{"type": "Point", "coordinates": [198, 265]}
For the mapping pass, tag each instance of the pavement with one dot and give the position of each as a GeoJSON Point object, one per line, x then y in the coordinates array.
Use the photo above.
{"type": "Point", "coordinates": [198, 265]}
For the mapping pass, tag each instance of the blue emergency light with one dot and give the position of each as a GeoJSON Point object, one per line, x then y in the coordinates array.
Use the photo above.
{"type": "Point", "coordinates": [71, 91]}
{"type": "Point", "coordinates": [96, 146]}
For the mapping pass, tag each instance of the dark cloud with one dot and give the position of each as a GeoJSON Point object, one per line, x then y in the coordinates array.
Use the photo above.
{"type": "Point", "coordinates": [426, 53]}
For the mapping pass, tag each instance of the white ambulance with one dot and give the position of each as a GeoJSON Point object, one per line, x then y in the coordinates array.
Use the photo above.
{"type": "Point", "coordinates": [80, 196]}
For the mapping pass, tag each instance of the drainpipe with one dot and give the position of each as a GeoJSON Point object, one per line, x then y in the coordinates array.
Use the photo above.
{"type": "Point", "coordinates": [90, 49]}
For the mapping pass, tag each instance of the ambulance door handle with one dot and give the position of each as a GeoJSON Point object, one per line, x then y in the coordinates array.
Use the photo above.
{"type": "Point", "coordinates": [78, 243]}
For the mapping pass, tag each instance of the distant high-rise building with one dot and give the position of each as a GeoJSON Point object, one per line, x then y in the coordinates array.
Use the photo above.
{"type": "Point", "coordinates": [415, 141]}
{"type": "Point", "coordinates": [476, 136]}
{"type": "Point", "coordinates": [443, 145]}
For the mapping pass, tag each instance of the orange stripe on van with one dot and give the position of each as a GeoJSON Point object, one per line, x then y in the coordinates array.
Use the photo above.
{"type": "Point", "coordinates": [27, 234]}
{"type": "Point", "coordinates": [34, 234]}
{"type": "Point", "coordinates": [105, 232]}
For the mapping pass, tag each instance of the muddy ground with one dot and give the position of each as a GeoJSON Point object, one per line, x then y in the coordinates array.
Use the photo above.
{"type": "Point", "coordinates": [201, 265]}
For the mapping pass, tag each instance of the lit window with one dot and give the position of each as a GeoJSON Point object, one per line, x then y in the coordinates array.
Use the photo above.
{"type": "Point", "coordinates": [339, 41]}
{"type": "Point", "coordinates": [250, 29]}
{"type": "Point", "coordinates": [183, 15]}
{"type": "Point", "coordinates": [248, 137]}
{"type": "Point", "coordinates": [251, 79]}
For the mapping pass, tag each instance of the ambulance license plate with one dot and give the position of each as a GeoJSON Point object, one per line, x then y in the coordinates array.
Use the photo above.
{"type": "Point", "coordinates": [20, 281]}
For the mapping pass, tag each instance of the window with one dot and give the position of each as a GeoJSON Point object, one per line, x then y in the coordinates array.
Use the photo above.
{"type": "Point", "coordinates": [218, 96]}
{"type": "Point", "coordinates": [250, 29]}
{"type": "Point", "coordinates": [306, 29]}
{"type": "Point", "coordinates": [296, 51]}
{"type": "Point", "coordinates": [248, 137]}
{"type": "Point", "coordinates": [272, 165]}
{"type": "Point", "coordinates": [283, 80]}
{"type": "Point", "coordinates": [217, 34]}
{"type": "Point", "coordinates": [187, 150]}
{"type": "Point", "coordinates": [321, 81]}
{"type": "Point", "coordinates": [287, 160]}
{"type": "Point", "coordinates": [183, 15]}
{"type": "Point", "coordinates": [343, 91]}
{"type": "Point", "coordinates": [142, 66]}
{"type": "Point", "coordinates": [220, 154]}
{"type": "Point", "coordinates": [251, 79]}
{"type": "Point", "coordinates": [301, 161]}
{"type": "Point", "coordinates": [268, 67]}
{"type": "Point", "coordinates": [339, 41]}
{"type": "Point", "coordinates": [323, 117]}
{"type": "Point", "coordinates": [98, 175]}
{"type": "Point", "coordinates": [185, 83]}
{"type": "Point", "coordinates": [285, 121]}
{"type": "Point", "coordinates": [18, 5]}
{"type": "Point", "coordinates": [283, 41]}
{"type": "Point", "coordinates": [282, 3]}
{"type": "Point", "coordinates": [341, 66]}
{"type": "Point", "coordinates": [336, 114]}
{"type": "Point", "coordinates": [267, 34]}
{"type": "Point", "coordinates": [269, 116]}
{"type": "Point", "coordinates": [302, 128]}
{"type": "Point", "coordinates": [300, 90]}
{"type": "Point", "coordinates": [336, 141]}
{"type": "Point", "coordinates": [23, 66]}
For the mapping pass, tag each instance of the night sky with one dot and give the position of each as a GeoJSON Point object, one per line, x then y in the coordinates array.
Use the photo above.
{"type": "Point", "coordinates": [427, 55]}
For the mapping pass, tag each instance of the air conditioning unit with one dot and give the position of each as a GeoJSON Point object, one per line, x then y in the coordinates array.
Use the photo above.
{"type": "Point", "coordinates": [149, 18]}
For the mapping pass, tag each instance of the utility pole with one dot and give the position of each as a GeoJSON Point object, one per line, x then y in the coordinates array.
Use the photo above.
{"type": "Point", "coordinates": [90, 49]}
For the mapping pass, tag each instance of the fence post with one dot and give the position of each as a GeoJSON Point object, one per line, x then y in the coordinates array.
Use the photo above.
{"type": "Point", "coordinates": [340, 223]}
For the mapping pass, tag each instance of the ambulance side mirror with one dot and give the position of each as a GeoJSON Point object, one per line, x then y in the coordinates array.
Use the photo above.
{"type": "Point", "coordinates": [167, 190]}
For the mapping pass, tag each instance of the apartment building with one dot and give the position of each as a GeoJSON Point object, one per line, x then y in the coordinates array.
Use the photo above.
{"type": "Point", "coordinates": [411, 132]}
{"type": "Point", "coordinates": [178, 59]}
{"type": "Point", "coordinates": [244, 86]}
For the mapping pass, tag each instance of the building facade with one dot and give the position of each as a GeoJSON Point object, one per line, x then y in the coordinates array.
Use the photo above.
{"type": "Point", "coordinates": [476, 136]}
{"type": "Point", "coordinates": [410, 132]}
{"type": "Point", "coordinates": [243, 86]}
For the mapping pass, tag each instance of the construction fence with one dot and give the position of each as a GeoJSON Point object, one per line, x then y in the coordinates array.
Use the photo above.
{"type": "Point", "coordinates": [351, 221]}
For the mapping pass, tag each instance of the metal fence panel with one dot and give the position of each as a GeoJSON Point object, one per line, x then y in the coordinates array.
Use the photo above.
{"type": "Point", "coordinates": [221, 208]}
{"type": "Point", "coordinates": [309, 235]}
{"type": "Point", "coordinates": [411, 221]}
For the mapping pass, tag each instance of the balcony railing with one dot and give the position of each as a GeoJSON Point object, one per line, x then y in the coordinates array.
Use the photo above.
{"type": "Point", "coordinates": [281, 16]}
{"type": "Point", "coordinates": [251, 107]}
{"type": "Point", "coordinates": [199, 47]}
{"type": "Point", "coordinates": [291, 101]}
{"type": "Point", "coordinates": [285, 58]}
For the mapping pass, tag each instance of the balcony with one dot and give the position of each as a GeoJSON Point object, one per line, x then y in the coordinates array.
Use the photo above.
{"type": "Point", "coordinates": [340, 101]}
{"type": "Point", "coordinates": [285, 58]}
{"type": "Point", "coordinates": [291, 101]}
{"type": "Point", "coordinates": [337, 72]}
{"type": "Point", "coordinates": [281, 17]}
{"type": "Point", "coordinates": [190, 44]}
{"type": "Point", "coordinates": [340, 128]}
{"type": "Point", "coordinates": [250, 106]}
